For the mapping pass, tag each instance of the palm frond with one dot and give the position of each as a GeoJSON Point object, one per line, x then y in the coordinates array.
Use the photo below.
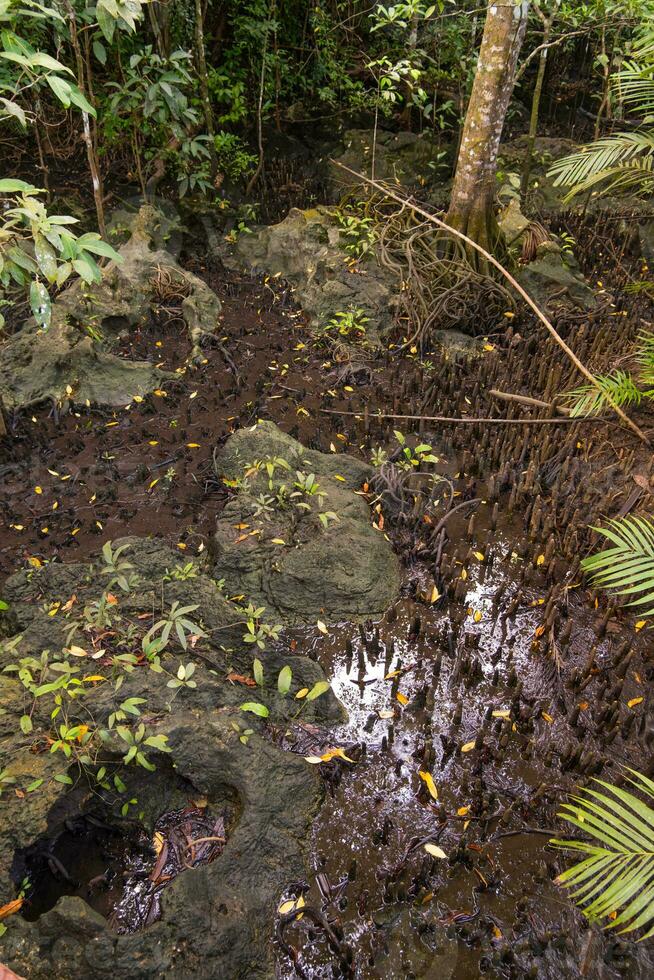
{"type": "Point", "coordinates": [622, 161]}
{"type": "Point", "coordinates": [635, 82]}
{"type": "Point", "coordinates": [615, 879]}
{"type": "Point", "coordinates": [645, 352]}
{"type": "Point", "coordinates": [627, 567]}
{"type": "Point", "coordinates": [589, 400]}
{"type": "Point", "coordinates": [643, 46]}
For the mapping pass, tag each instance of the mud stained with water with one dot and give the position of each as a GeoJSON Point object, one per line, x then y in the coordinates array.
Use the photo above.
{"type": "Point", "coordinates": [469, 693]}
{"type": "Point", "coordinates": [497, 674]}
{"type": "Point", "coordinates": [117, 869]}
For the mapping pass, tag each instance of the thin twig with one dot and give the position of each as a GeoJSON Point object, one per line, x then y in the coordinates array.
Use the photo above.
{"type": "Point", "coordinates": [445, 418]}
{"type": "Point", "coordinates": [516, 285]}
{"type": "Point", "coordinates": [508, 396]}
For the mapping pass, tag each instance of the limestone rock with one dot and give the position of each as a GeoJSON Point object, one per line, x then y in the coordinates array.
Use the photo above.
{"type": "Point", "coordinates": [306, 249]}
{"type": "Point", "coordinates": [217, 918]}
{"type": "Point", "coordinates": [72, 360]}
{"type": "Point", "coordinates": [346, 570]}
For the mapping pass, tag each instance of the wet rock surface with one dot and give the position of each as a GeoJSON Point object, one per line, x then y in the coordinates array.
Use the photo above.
{"type": "Point", "coordinates": [307, 249]}
{"type": "Point", "coordinates": [408, 159]}
{"type": "Point", "coordinates": [284, 558]}
{"type": "Point", "coordinates": [73, 360]}
{"type": "Point", "coordinates": [216, 917]}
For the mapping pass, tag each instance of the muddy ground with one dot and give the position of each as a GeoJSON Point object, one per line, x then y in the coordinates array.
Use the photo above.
{"type": "Point", "coordinates": [492, 617]}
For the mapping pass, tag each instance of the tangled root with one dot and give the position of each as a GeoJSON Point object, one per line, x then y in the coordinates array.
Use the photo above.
{"type": "Point", "coordinates": [440, 289]}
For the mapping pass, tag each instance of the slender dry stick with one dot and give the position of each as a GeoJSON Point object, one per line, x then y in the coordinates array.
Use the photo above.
{"type": "Point", "coordinates": [469, 421]}
{"type": "Point", "coordinates": [516, 285]}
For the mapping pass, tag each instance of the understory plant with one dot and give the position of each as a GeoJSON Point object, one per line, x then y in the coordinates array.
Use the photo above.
{"type": "Point", "coordinates": [103, 647]}
{"type": "Point", "coordinates": [622, 162]}
{"type": "Point", "coordinates": [627, 566]}
{"type": "Point", "coordinates": [40, 252]}
{"type": "Point", "coordinates": [284, 680]}
{"type": "Point", "coordinates": [614, 880]}
{"type": "Point", "coordinates": [623, 387]}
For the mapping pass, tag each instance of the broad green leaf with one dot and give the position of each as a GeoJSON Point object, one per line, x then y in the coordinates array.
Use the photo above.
{"type": "Point", "coordinates": [9, 185]}
{"type": "Point", "coordinates": [100, 52]}
{"type": "Point", "coordinates": [79, 99]}
{"type": "Point", "coordinates": [61, 88]}
{"type": "Point", "coordinates": [257, 709]}
{"type": "Point", "coordinates": [284, 680]}
{"type": "Point", "coordinates": [40, 303]}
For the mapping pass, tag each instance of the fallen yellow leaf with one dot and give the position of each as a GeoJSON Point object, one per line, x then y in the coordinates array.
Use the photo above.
{"type": "Point", "coordinates": [428, 780]}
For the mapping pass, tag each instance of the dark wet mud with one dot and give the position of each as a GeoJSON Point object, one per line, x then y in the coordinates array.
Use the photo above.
{"type": "Point", "coordinates": [467, 692]}
{"type": "Point", "coordinates": [117, 868]}
{"type": "Point", "coordinates": [498, 675]}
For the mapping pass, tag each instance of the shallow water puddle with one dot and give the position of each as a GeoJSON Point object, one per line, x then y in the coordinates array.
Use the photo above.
{"type": "Point", "coordinates": [119, 871]}
{"type": "Point", "coordinates": [465, 692]}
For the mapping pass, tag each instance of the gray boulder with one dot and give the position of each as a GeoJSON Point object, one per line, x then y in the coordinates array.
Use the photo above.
{"type": "Point", "coordinates": [73, 361]}
{"type": "Point", "coordinates": [281, 555]}
{"type": "Point", "coordinates": [307, 249]}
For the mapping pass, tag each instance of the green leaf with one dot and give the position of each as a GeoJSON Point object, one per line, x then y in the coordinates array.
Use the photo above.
{"type": "Point", "coordinates": [61, 88]}
{"type": "Point", "coordinates": [257, 670]}
{"type": "Point", "coordinates": [284, 680]}
{"type": "Point", "coordinates": [628, 567]}
{"type": "Point", "coordinates": [9, 185]}
{"type": "Point", "coordinates": [257, 709]}
{"type": "Point", "coordinates": [617, 877]}
{"type": "Point", "coordinates": [63, 778]}
{"type": "Point", "coordinates": [100, 52]}
{"type": "Point", "coordinates": [40, 303]}
{"type": "Point", "coordinates": [86, 268]}
{"type": "Point", "coordinates": [43, 60]}
{"type": "Point", "coordinates": [320, 688]}
{"type": "Point", "coordinates": [46, 257]}
{"type": "Point", "coordinates": [79, 99]}
{"type": "Point", "coordinates": [26, 725]}
{"type": "Point", "coordinates": [106, 23]}
{"type": "Point", "coordinates": [99, 247]}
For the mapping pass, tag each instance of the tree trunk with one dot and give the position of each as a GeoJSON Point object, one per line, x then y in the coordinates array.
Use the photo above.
{"type": "Point", "coordinates": [87, 132]}
{"type": "Point", "coordinates": [473, 191]}
{"type": "Point", "coordinates": [201, 65]}
{"type": "Point", "coordinates": [535, 110]}
{"type": "Point", "coordinates": [159, 13]}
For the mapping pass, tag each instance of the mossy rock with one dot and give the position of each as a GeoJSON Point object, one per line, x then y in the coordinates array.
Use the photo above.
{"type": "Point", "coordinates": [300, 570]}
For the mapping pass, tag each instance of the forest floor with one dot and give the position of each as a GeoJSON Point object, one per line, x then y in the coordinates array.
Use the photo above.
{"type": "Point", "coordinates": [495, 671]}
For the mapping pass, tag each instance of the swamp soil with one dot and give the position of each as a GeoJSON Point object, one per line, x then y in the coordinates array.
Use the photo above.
{"type": "Point", "coordinates": [497, 672]}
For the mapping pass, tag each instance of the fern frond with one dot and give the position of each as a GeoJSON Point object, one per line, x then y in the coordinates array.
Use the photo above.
{"type": "Point", "coordinates": [627, 567]}
{"type": "Point", "coordinates": [623, 160]}
{"type": "Point", "coordinates": [589, 400]}
{"type": "Point", "coordinates": [617, 873]}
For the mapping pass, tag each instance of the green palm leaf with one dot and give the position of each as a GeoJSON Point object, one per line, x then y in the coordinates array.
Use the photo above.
{"type": "Point", "coordinates": [589, 400]}
{"type": "Point", "coordinates": [635, 82]}
{"type": "Point", "coordinates": [615, 879]}
{"type": "Point", "coordinates": [627, 567]}
{"type": "Point", "coordinates": [623, 161]}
